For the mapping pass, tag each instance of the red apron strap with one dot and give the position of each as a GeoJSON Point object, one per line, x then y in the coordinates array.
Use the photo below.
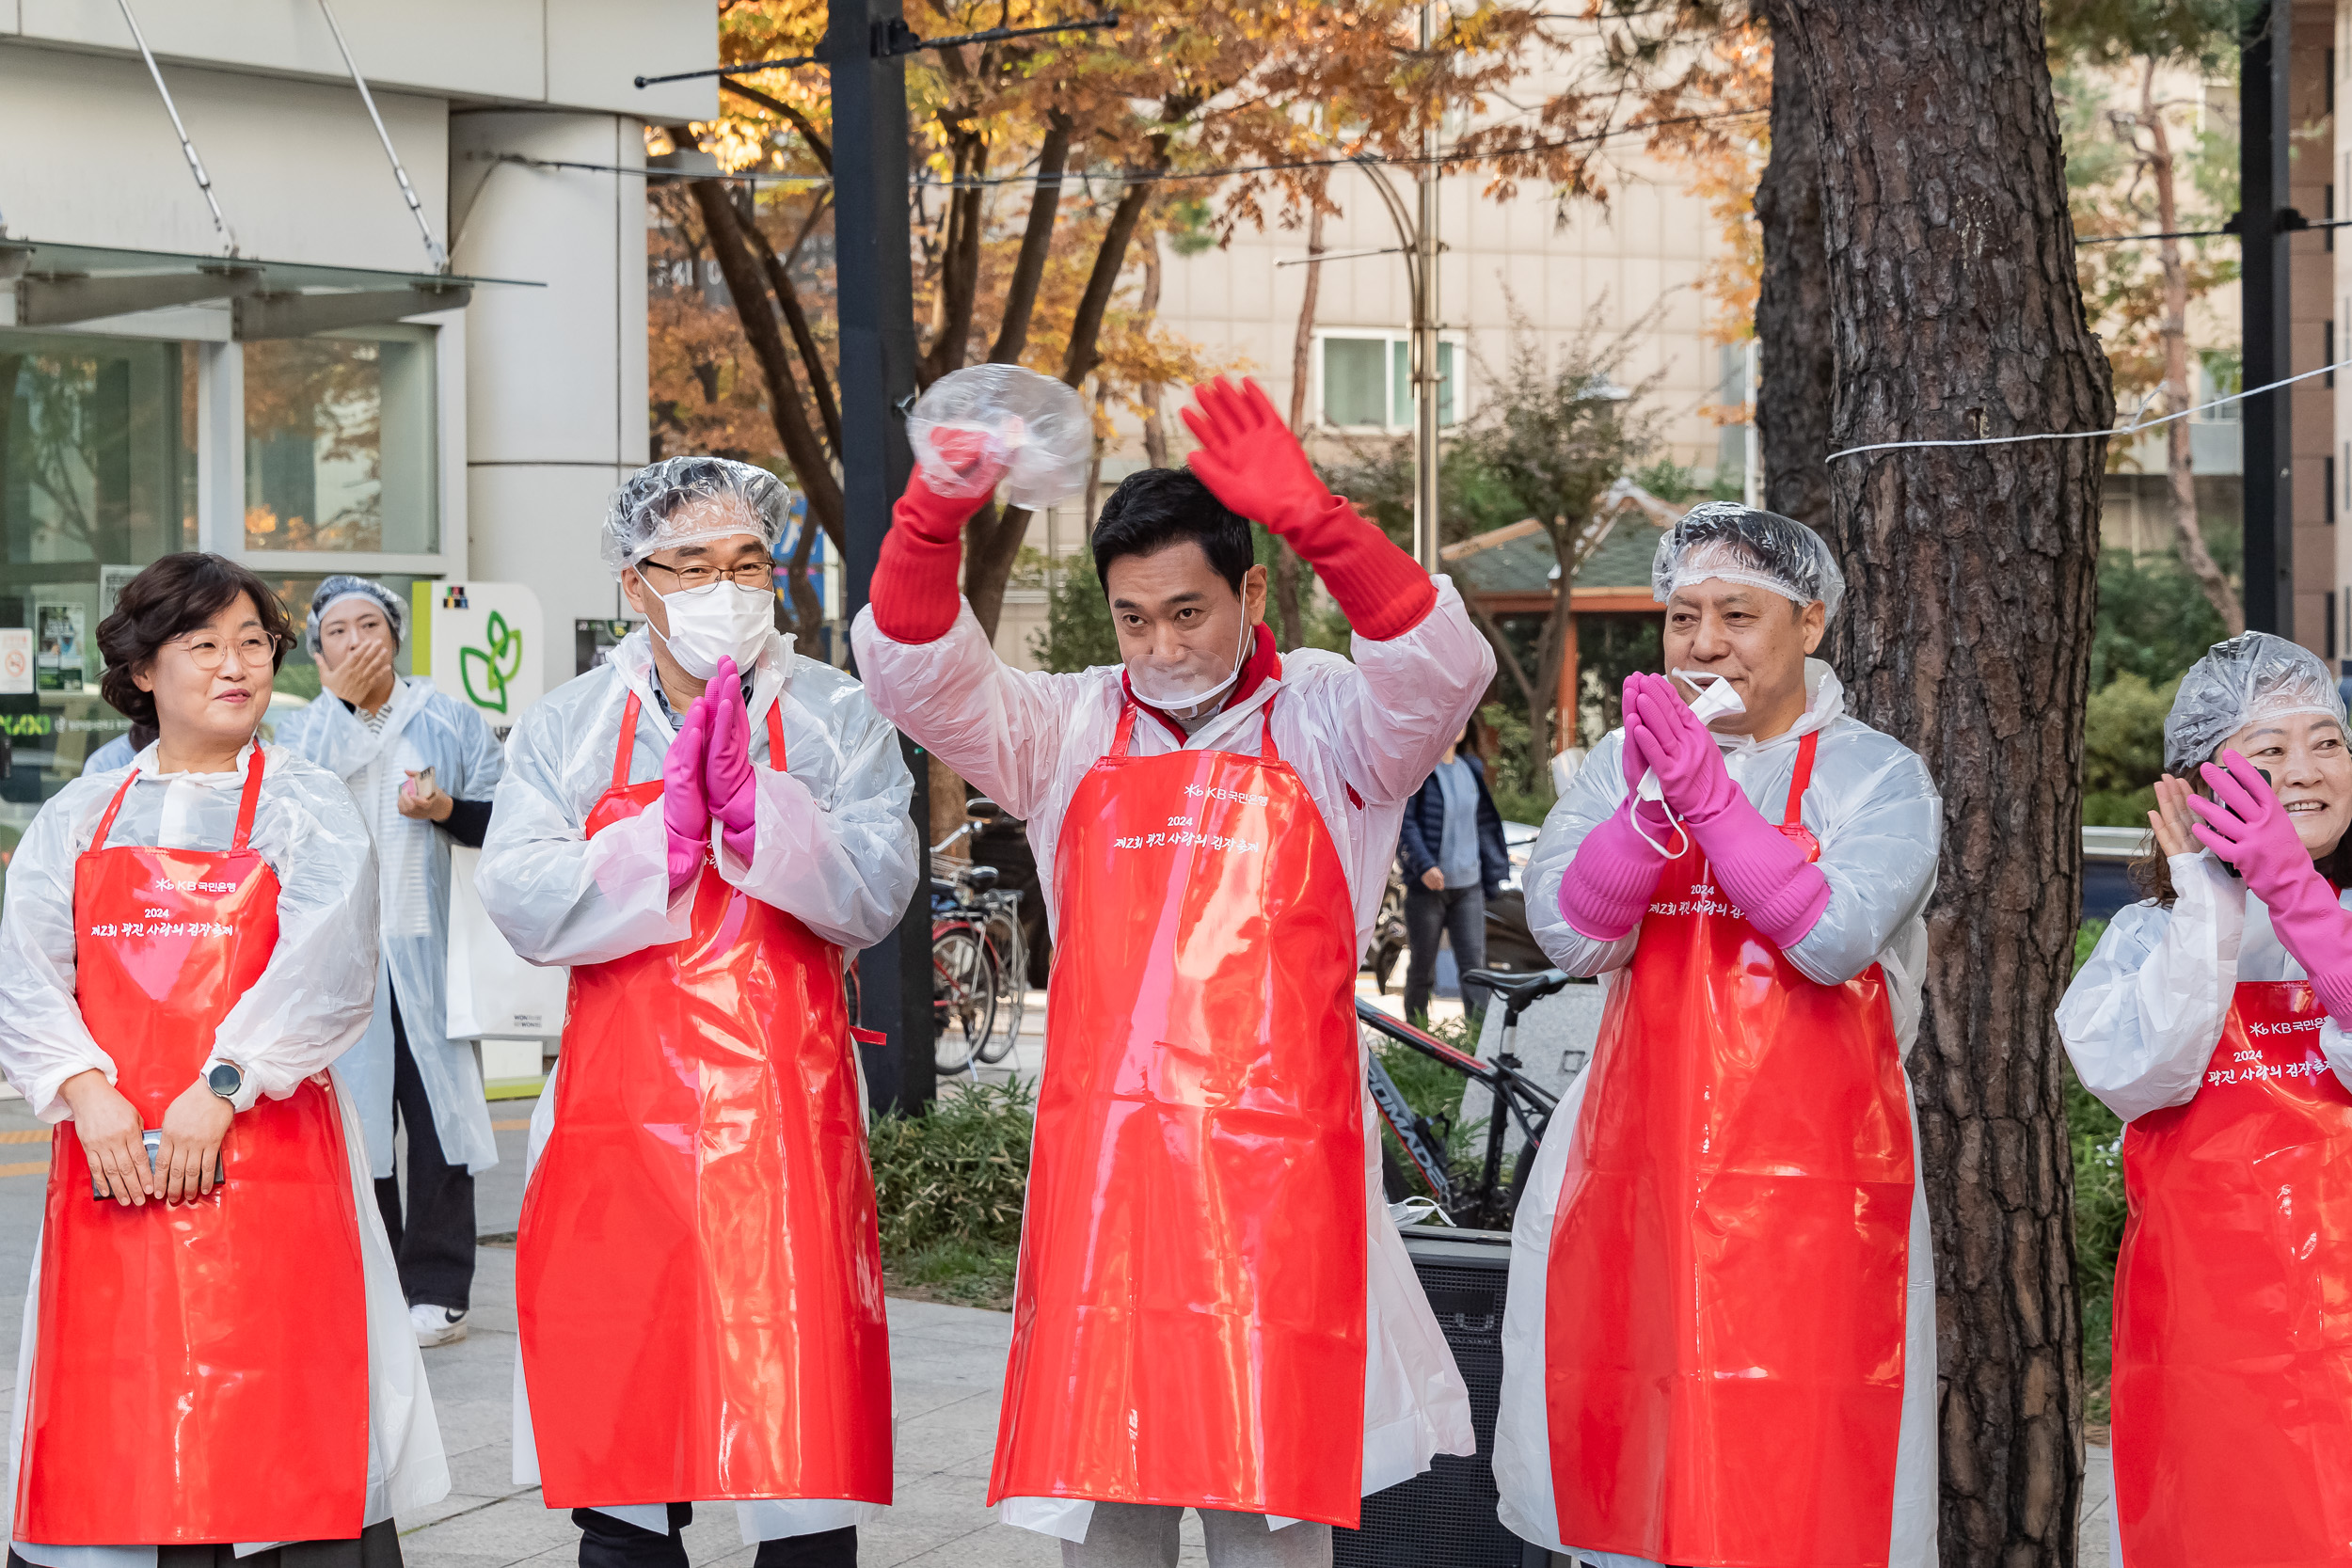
{"type": "Point", "coordinates": [250, 801]}
{"type": "Point", "coordinates": [775, 734]}
{"type": "Point", "coordinates": [1267, 752]}
{"type": "Point", "coordinates": [106, 823]}
{"type": "Point", "coordinates": [625, 749]}
{"type": "Point", "coordinates": [1126, 729]}
{"type": "Point", "coordinates": [1801, 778]}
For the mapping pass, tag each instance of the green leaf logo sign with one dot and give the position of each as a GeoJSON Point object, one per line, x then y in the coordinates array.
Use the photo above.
{"type": "Point", "coordinates": [485, 674]}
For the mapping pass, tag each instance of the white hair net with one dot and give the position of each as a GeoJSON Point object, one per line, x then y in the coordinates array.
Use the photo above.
{"type": "Point", "coordinates": [667, 504]}
{"type": "Point", "coordinates": [1740, 544]}
{"type": "Point", "coordinates": [2251, 676]}
{"type": "Point", "coordinates": [341, 586]}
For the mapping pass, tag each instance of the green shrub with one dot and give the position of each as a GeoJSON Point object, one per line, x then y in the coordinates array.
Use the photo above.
{"type": "Point", "coordinates": [954, 1179]}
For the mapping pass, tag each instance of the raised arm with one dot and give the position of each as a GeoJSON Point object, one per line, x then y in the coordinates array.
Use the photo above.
{"type": "Point", "coordinates": [558, 896]}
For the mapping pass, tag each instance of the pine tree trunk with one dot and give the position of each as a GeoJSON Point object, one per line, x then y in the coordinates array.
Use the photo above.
{"type": "Point", "coordinates": [1966, 634]}
{"type": "Point", "coordinates": [1796, 370]}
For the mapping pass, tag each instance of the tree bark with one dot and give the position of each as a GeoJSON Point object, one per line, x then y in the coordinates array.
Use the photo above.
{"type": "Point", "coordinates": [1796, 370]}
{"type": "Point", "coordinates": [1973, 574]}
{"type": "Point", "coordinates": [1147, 309]}
{"type": "Point", "coordinates": [804, 340]}
{"type": "Point", "coordinates": [2180, 471]}
{"type": "Point", "coordinates": [959, 262]}
{"type": "Point", "coordinates": [1286, 595]}
{"type": "Point", "coordinates": [756, 314]}
{"type": "Point", "coordinates": [1037, 244]}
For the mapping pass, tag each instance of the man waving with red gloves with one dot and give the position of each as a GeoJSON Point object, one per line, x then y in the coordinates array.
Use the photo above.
{"type": "Point", "coordinates": [1209, 1285]}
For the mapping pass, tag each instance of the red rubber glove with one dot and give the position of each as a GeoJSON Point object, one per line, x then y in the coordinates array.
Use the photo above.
{"type": "Point", "coordinates": [914, 592]}
{"type": "Point", "coordinates": [727, 780]}
{"type": "Point", "coordinates": [684, 814]}
{"type": "Point", "coordinates": [1256, 467]}
{"type": "Point", "coordinates": [2247, 826]}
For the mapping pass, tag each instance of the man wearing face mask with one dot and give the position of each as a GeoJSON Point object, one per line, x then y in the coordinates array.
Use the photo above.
{"type": "Point", "coordinates": [1720, 1341]}
{"type": "Point", "coordinates": [1212, 1301]}
{"type": "Point", "coordinates": [700, 828]}
{"type": "Point", "coordinates": [421, 765]}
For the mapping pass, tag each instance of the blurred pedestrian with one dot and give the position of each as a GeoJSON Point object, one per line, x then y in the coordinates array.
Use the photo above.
{"type": "Point", "coordinates": [421, 765]}
{"type": "Point", "coordinates": [188, 947]}
{"type": "Point", "coordinates": [1451, 846]}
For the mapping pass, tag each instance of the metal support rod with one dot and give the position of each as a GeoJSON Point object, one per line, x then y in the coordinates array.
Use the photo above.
{"type": "Point", "coordinates": [434, 250]}
{"type": "Point", "coordinates": [196, 164]}
{"type": "Point", "coordinates": [1427, 380]}
{"type": "Point", "coordinates": [876, 284]}
{"type": "Point", "coordinates": [2268, 423]}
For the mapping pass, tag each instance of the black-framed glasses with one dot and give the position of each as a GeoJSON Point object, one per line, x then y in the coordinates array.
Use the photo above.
{"type": "Point", "coordinates": [756, 574]}
{"type": "Point", "coordinates": [208, 650]}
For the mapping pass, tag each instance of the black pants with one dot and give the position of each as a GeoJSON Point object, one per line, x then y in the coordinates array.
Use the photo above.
{"type": "Point", "coordinates": [1460, 914]}
{"type": "Point", "coordinates": [435, 1245]}
{"type": "Point", "coordinates": [376, 1546]}
{"type": "Point", "coordinates": [606, 1542]}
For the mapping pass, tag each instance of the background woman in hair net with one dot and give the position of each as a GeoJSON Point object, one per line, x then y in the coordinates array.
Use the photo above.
{"type": "Point", "coordinates": [1720, 1345]}
{"type": "Point", "coordinates": [421, 765]}
{"type": "Point", "coordinates": [2208, 1019]}
{"type": "Point", "coordinates": [701, 827]}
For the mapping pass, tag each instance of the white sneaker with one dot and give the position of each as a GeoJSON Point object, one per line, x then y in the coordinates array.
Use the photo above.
{"type": "Point", "coordinates": [437, 1325]}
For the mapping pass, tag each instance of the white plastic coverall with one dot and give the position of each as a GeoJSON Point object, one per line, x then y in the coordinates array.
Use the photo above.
{"type": "Point", "coordinates": [1363, 737]}
{"type": "Point", "coordinates": [310, 1005]}
{"type": "Point", "coordinates": [831, 849]}
{"type": "Point", "coordinates": [1879, 820]}
{"type": "Point", "coordinates": [425, 728]}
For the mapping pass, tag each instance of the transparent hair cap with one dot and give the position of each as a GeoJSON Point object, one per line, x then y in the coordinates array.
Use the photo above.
{"type": "Point", "coordinates": [1036, 428]}
{"type": "Point", "coordinates": [341, 586]}
{"type": "Point", "coordinates": [2251, 676]}
{"type": "Point", "coordinates": [692, 500]}
{"type": "Point", "coordinates": [1731, 543]}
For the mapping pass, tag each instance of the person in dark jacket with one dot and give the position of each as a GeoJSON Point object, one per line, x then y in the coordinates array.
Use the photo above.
{"type": "Point", "coordinates": [1452, 848]}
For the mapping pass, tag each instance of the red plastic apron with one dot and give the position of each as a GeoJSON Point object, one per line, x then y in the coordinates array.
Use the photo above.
{"type": "Point", "coordinates": [1188, 1323]}
{"type": "Point", "coordinates": [698, 1276]}
{"type": "Point", "coordinates": [1725, 1307]}
{"type": "Point", "coordinates": [201, 1373]}
{"type": "Point", "coordinates": [2232, 1391]}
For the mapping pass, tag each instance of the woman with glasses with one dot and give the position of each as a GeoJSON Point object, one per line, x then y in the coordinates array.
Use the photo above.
{"type": "Point", "coordinates": [701, 829]}
{"type": "Point", "coordinates": [422, 765]}
{"type": "Point", "coordinates": [216, 1359]}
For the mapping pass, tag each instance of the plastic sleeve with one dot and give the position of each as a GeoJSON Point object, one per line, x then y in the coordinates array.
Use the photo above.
{"type": "Point", "coordinates": [2141, 1019]}
{"type": "Point", "coordinates": [1595, 796]}
{"type": "Point", "coordinates": [43, 1040]}
{"type": "Point", "coordinates": [1392, 717]}
{"type": "Point", "coordinates": [1880, 844]}
{"type": "Point", "coordinates": [1607, 884]}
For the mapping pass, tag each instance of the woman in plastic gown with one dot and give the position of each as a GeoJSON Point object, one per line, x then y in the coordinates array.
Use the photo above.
{"type": "Point", "coordinates": [422, 765]}
{"type": "Point", "coordinates": [701, 828]}
{"type": "Point", "coordinates": [1720, 1343]}
{"type": "Point", "coordinates": [216, 1359]}
{"type": "Point", "coordinates": [2208, 1019]}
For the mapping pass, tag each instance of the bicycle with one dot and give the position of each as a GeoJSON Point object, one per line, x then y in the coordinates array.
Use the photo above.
{"type": "Point", "coordinates": [1487, 1203]}
{"type": "Point", "coordinates": [976, 929]}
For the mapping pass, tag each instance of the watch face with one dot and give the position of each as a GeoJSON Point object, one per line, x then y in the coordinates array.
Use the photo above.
{"type": "Point", "coordinates": [225, 1080]}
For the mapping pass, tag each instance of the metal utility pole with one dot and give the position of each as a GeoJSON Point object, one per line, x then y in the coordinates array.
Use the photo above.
{"type": "Point", "coordinates": [876, 312]}
{"type": "Point", "coordinates": [1427, 381]}
{"type": "Point", "coordinates": [2265, 218]}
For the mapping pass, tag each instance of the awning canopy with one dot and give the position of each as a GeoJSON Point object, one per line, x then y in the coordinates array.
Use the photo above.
{"type": "Point", "coordinates": [63, 285]}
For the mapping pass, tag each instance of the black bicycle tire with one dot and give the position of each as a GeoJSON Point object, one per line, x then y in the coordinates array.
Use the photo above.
{"type": "Point", "coordinates": [1009, 970]}
{"type": "Point", "coordinates": [944, 932]}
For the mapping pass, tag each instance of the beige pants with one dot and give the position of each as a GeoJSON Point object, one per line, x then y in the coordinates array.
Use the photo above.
{"type": "Point", "coordinates": [1142, 1535]}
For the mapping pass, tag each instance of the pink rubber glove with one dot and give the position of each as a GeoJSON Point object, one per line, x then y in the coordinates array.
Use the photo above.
{"type": "Point", "coordinates": [1608, 882]}
{"type": "Point", "coordinates": [2244, 824]}
{"type": "Point", "coordinates": [1249, 458]}
{"type": "Point", "coordinates": [684, 814]}
{"type": "Point", "coordinates": [727, 780]}
{"type": "Point", "coordinates": [1760, 870]}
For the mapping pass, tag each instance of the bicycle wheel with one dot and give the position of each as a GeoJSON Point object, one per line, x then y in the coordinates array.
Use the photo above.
{"type": "Point", "coordinates": [963, 995]}
{"type": "Point", "coordinates": [1010, 963]}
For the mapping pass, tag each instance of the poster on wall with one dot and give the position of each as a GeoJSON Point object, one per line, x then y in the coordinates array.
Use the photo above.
{"type": "Point", "coordinates": [480, 643]}
{"type": "Point", "coordinates": [112, 580]}
{"type": "Point", "coordinates": [58, 628]}
{"type": "Point", "coordinates": [16, 660]}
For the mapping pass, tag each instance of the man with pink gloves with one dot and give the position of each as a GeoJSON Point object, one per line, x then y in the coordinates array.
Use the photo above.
{"type": "Point", "coordinates": [1720, 1341]}
{"type": "Point", "coordinates": [701, 828]}
{"type": "Point", "coordinates": [1213, 1304]}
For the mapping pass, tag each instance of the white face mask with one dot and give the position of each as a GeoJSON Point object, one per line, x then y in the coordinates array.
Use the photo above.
{"type": "Point", "coordinates": [723, 621]}
{"type": "Point", "coordinates": [1182, 687]}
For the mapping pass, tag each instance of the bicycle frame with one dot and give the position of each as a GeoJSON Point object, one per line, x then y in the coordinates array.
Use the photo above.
{"type": "Point", "coordinates": [1514, 1096]}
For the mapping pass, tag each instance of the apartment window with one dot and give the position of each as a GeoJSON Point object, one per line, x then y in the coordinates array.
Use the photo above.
{"type": "Point", "coordinates": [1368, 380]}
{"type": "Point", "coordinates": [339, 443]}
